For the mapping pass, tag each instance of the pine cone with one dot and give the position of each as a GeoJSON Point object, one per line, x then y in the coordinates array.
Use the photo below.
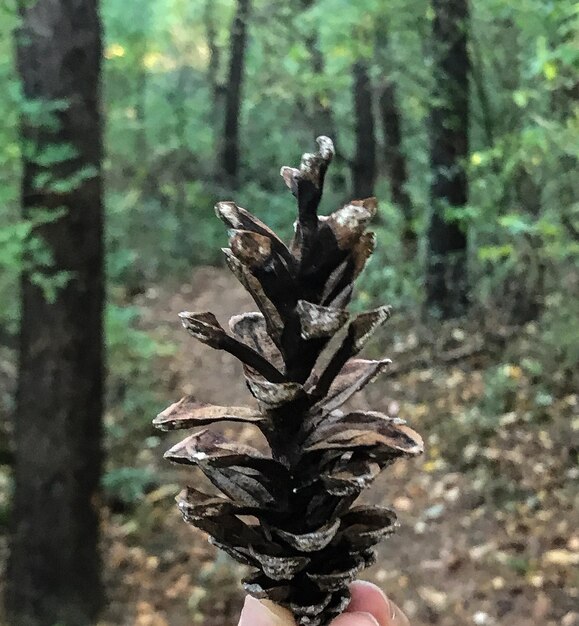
{"type": "Point", "coordinates": [304, 538]}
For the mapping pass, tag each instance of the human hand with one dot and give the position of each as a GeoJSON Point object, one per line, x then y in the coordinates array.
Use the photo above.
{"type": "Point", "coordinates": [368, 607]}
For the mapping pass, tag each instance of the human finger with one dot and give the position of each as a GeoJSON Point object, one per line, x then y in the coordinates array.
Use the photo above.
{"type": "Point", "coordinates": [265, 613]}
{"type": "Point", "coordinates": [368, 597]}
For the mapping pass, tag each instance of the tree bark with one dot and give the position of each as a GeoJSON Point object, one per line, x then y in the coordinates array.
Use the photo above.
{"type": "Point", "coordinates": [394, 158]}
{"type": "Point", "coordinates": [214, 58]}
{"type": "Point", "coordinates": [364, 163]}
{"type": "Point", "coordinates": [323, 120]}
{"type": "Point", "coordinates": [54, 566]}
{"type": "Point", "coordinates": [141, 114]}
{"type": "Point", "coordinates": [446, 279]}
{"type": "Point", "coordinates": [233, 98]}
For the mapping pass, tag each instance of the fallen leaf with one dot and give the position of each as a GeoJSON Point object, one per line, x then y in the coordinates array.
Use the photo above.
{"type": "Point", "coordinates": [560, 557]}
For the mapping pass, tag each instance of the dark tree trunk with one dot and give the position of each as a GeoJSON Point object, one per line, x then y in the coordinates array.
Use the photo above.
{"type": "Point", "coordinates": [524, 287]}
{"type": "Point", "coordinates": [446, 280]}
{"type": "Point", "coordinates": [394, 158]}
{"type": "Point", "coordinates": [323, 120]}
{"type": "Point", "coordinates": [364, 163]}
{"type": "Point", "coordinates": [141, 115]}
{"type": "Point", "coordinates": [238, 42]}
{"type": "Point", "coordinates": [214, 58]}
{"type": "Point", "coordinates": [182, 159]}
{"type": "Point", "coordinates": [54, 566]}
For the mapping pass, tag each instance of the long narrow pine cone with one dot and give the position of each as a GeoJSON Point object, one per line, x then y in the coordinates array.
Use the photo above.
{"type": "Point", "coordinates": [291, 515]}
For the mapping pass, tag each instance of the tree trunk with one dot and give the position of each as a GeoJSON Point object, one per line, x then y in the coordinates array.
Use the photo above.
{"type": "Point", "coordinates": [323, 121]}
{"type": "Point", "coordinates": [524, 286]}
{"type": "Point", "coordinates": [214, 59]}
{"type": "Point", "coordinates": [364, 164]}
{"type": "Point", "coordinates": [54, 566]}
{"type": "Point", "coordinates": [181, 161]}
{"type": "Point", "coordinates": [141, 115]}
{"type": "Point", "coordinates": [394, 158]}
{"type": "Point", "coordinates": [238, 42]}
{"type": "Point", "coordinates": [446, 280]}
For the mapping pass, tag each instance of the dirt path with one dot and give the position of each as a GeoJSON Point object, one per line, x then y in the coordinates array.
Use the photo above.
{"type": "Point", "coordinates": [488, 521]}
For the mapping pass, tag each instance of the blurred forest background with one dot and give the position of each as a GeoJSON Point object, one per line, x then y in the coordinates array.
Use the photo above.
{"type": "Point", "coordinates": [463, 121]}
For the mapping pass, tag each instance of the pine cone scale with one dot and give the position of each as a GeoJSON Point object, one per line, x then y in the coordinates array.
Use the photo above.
{"type": "Point", "coordinates": [353, 377]}
{"type": "Point", "coordinates": [188, 413]}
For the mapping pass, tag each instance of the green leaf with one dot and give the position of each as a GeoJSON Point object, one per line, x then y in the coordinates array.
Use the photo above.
{"type": "Point", "coordinates": [495, 253]}
{"type": "Point", "coordinates": [516, 223]}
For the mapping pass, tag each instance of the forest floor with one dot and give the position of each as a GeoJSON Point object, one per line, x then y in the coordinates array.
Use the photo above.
{"type": "Point", "coordinates": [488, 515]}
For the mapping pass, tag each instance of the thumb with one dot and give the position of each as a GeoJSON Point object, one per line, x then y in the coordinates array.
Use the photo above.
{"type": "Point", "coordinates": [256, 613]}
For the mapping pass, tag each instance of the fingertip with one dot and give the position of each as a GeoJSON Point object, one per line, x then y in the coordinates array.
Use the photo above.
{"type": "Point", "coordinates": [256, 613]}
{"type": "Point", "coordinates": [369, 598]}
{"type": "Point", "coordinates": [284, 617]}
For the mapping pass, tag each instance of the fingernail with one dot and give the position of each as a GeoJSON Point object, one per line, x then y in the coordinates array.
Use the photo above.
{"type": "Point", "coordinates": [256, 613]}
{"type": "Point", "coordinates": [369, 597]}
{"type": "Point", "coordinates": [369, 585]}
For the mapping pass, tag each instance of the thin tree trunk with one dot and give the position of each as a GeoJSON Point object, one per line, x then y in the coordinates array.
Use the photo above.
{"type": "Point", "coordinates": [140, 110]}
{"type": "Point", "coordinates": [446, 280]}
{"type": "Point", "coordinates": [54, 566]}
{"type": "Point", "coordinates": [394, 158]}
{"type": "Point", "coordinates": [238, 42]}
{"type": "Point", "coordinates": [181, 161]}
{"type": "Point", "coordinates": [214, 58]}
{"type": "Point", "coordinates": [523, 288]}
{"type": "Point", "coordinates": [480, 87]}
{"type": "Point", "coordinates": [364, 164]}
{"type": "Point", "coordinates": [323, 122]}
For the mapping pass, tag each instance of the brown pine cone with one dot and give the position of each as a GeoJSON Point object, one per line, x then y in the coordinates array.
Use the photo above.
{"type": "Point", "coordinates": [305, 538]}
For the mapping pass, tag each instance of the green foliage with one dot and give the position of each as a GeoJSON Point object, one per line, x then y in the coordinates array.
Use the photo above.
{"type": "Point", "coordinates": [390, 275]}
{"type": "Point", "coordinates": [12, 233]}
{"type": "Point", "coordinates": [163, 133]}
{"type": "Point", "coordinates": [163, 127]}
{"type": "Point", "coordinates": [501, 385]}
{"type": "Point", "coordinates": [21, 250]}
{"type": "Point", "coordinates": [523, 189]}
{"type": "Point", "coordinates": [132, 393]}
{"type": "Point", "coordinates": [561, 331]}
{"type": "Point", "coordinates": [127, 484]}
